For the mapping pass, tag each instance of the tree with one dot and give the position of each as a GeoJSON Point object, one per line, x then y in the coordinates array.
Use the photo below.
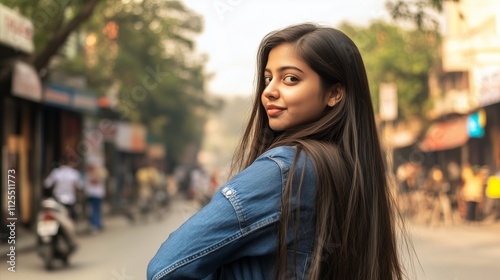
{"type": "Point", "coordinates": [144, 51]}
{"type": "Point", "coordinates": [404, 57]}
{"type": "Point", "coordinates": [141, 50]}
{"type": "Point", "coordinates": [421, 13]}
{"type": "Point", "coordinates": [52, 24]}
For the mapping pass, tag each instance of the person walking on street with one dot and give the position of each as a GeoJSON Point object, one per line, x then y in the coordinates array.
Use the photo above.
{"type": "Point", "coordinates": [438, 189]}
{"type": "Point", "coordinates": [455, 180]}
{"type": "Point", "coordinates": [147, 178]}
{"type": "Point", "coordinates": [65, 182]}
{"type": "Point", "coordinates": [493, 193]}
{"type": "Point", "coordinates": [95, 190]}
{"type": "Point", "coordinates": [310, 196]}
{"type": "Point", "coordinates": [472, 191]}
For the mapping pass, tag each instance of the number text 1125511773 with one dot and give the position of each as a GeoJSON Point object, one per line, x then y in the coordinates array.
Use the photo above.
{"type": "Point", "coordinates": [11, 218]}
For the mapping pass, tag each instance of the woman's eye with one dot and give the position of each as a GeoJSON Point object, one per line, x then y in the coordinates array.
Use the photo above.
{"type": "Point", "coordinates": [267, 80]}
{"type": "Point", "coordinates": [291, 79]}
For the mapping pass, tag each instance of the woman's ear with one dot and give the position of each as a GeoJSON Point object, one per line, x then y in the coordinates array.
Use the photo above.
{"type": "Point", "coordinates": [335, 94]}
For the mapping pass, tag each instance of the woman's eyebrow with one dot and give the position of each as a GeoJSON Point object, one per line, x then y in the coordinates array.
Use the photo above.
{"type": "Point", "coordinates": [283, 68]}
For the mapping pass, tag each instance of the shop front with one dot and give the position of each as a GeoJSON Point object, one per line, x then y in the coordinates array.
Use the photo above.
{"type": "Point", "coordinates": [487, 92]}
{"type": "Point", "coordinates": [65, 124]}
{"type": "Point", "coordinates": [20, 138]}
{"type": "Point", "coordinates": [20, 97]}
{"type": "Point", "coordinates": [131, 147]}
{"type": "Point", "coordinates": [445, 141]}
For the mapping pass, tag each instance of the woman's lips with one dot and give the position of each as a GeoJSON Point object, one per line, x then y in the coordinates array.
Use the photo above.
{"type": "Point", "coordinates": [273, 111]}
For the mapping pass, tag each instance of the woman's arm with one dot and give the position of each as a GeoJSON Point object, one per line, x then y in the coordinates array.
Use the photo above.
{"type": "Point", "coordinates": [240, 214]}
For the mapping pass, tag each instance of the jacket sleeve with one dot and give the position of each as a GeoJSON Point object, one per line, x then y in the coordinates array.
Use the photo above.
{"type": "Point", "coordinates": [240, 213]}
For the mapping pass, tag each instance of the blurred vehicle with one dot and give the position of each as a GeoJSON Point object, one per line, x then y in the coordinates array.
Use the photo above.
{"type": "Point", "coordinates": [55, 233]}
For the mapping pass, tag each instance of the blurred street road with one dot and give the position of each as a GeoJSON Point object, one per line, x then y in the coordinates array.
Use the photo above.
{"type": "Point", "coordinates": [458, 252]}
{"type": "Point", "coordinates": [123, 251]}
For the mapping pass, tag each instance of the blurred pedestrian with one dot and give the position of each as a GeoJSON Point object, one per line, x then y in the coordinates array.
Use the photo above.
{"type": "Point", "coordinates": [199, 187]}
{"type": "Point", "coordinates": [438, 189]}
{"type": "Point", "coordinates": [311, 199]}
{"type": "Point", "coordinates": [493, 192]}
{"type": "Point", "coordinates": [472, 191]}
{"type": "Point", "coordinates": [402, 176]}
{"type": "Point", "coordinates": [147, 178]}
{"type": "Point", "coordinates": [454, 179]}
{"type": "Point", "coordinates": [65, 181]}
{"type": "Point", "coordinates": [95, 190]}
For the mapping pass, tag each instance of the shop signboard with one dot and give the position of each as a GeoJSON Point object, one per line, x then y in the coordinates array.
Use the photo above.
{"type": "Point", "coordinates": [16, 31]}
{"type": "Point", "coordinates": [59, 96]}
{"type": "Point", "coordinates": [476, 123]}
{"type": "Point", "coordinates": [130, 137]}
{"type": "Point", "coordinates": [84, 101]}
{"type": "Point", "coordinates": [487, 85]}
{"type": "Point", "coordinates": [25, 82]}
{"type": "Point", "coordinates": [69, 98]}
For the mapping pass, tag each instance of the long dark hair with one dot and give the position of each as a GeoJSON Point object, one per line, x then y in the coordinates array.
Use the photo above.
{"type": "Point", "coordinates": [354, 228]}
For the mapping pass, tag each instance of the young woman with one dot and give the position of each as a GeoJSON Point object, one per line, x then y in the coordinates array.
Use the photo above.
{"type": "Point", "coordinates": [311, 199]}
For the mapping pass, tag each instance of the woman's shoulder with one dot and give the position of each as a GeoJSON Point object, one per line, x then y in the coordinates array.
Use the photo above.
{"type": "Point", "coordinates": [284, 156]}
{"type": "Point", "coordinates": [280, 151]}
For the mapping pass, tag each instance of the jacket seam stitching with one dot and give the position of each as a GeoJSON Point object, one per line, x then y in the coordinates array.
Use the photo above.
{"type": "Point", "coordinates": [207, 251]}
{"type": "Point", "coordinates": [283, 171]}
{"type": "Point", "coordinates": [237, 208]}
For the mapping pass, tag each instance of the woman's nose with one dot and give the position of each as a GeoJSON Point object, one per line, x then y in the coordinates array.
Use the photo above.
{"type": "Point", "coordinates": [270, 91]}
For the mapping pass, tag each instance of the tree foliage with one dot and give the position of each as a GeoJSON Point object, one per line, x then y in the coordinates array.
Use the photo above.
{"type": "Point", "coordinates": [140, 52]}
{"type": "Point", "coordinates": [403, 57]}
{"type": "Point", "coordinates": [145, 49]}
{"type": "Point", "coordinates": [421, 13]}
{"type": "Point", "coordinates": [53, 21]}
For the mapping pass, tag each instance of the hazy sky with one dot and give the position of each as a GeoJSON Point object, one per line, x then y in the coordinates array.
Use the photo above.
{"type": "Point", "coordinates": [234, 29]}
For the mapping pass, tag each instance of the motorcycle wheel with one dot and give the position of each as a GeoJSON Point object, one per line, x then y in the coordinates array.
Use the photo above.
{"type": "Point", "coordinates": [47, 251]}
{"type": "Point", "coordinates": [65, 261]}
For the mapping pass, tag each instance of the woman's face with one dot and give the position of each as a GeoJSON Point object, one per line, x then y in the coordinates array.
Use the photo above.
{"type": "Point", "coordinates": [293, 93]}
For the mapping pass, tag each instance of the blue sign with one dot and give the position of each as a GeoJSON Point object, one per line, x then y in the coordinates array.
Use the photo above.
{"type": "Point", "coordinates": [474, 127]}
{"type": "Point", "coordinates": [59, 96]}
{"type": "Point", "coordinates": [69, 98]}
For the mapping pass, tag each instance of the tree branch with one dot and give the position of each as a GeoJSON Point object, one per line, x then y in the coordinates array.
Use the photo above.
{"type": "Point", "coordinates": [42, 59]}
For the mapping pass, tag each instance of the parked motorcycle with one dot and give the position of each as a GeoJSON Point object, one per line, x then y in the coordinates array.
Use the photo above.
{"type": "Point", "coordinates": [55, 233]}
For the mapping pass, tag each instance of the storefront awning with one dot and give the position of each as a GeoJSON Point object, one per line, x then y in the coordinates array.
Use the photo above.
{"type": "Point", "coordinates": [25, 82]}
{"type": "Point", "coordinates": [445, 135]}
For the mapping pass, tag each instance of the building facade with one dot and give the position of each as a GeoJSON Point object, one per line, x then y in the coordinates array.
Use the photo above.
{"type": "Point", "coordinates": [466, 95]}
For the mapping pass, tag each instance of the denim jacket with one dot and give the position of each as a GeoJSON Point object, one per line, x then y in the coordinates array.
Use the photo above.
{"type": "Point", "coordinates": [235, 236]}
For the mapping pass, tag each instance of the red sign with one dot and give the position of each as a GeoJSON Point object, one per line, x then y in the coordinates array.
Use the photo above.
{"type": "Point", "coordinates": [16, 31]}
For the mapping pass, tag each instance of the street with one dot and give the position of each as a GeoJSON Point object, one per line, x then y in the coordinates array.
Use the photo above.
{"type": "Point", "coordinates": [458, 252]}
{"type": "Point", "coordinates": [123, 250]}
